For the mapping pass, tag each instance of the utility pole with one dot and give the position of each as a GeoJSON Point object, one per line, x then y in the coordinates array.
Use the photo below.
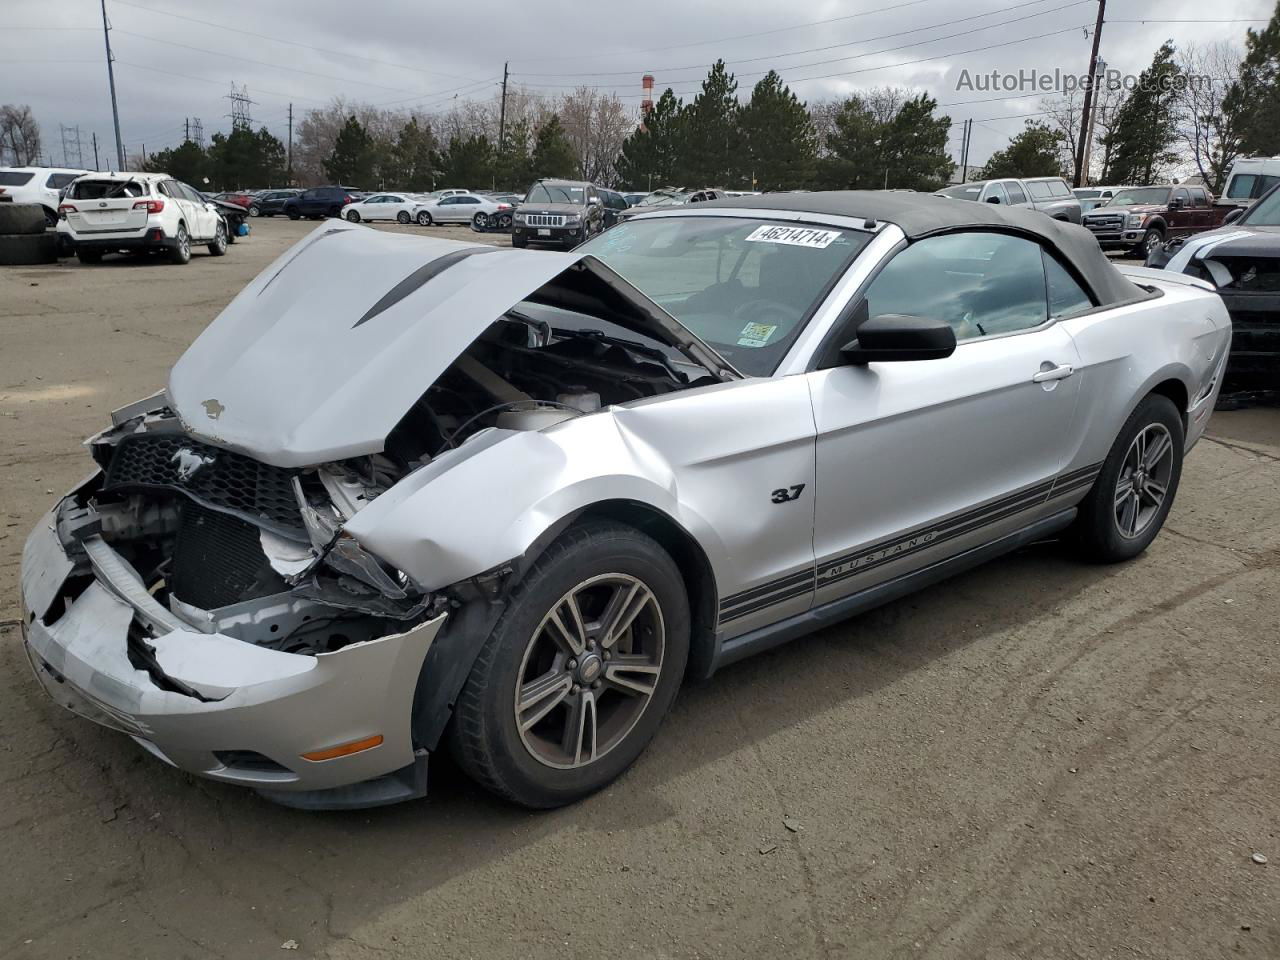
{"type": "Point", "coordinates": [144, 154]}
{"type": "Point", "coordinates": [96, 165]}
{"type": "Point", "coordinates": [289, 164]}
{"type": "Point", "coordinates": [1086, 117]}
{"type": "Point", "coordinates": [186, 130]}
{"type": "Point", "coordinates": [502, 113]}
{"type": "Point", "coordinates": [111, 79]}
{"type": "Point", "coordinates": [964, 152]}
{"type": "Point", "coordinates": [1087, 134]}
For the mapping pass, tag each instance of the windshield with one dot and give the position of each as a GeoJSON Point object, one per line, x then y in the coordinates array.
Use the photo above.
{"type": "Point", "coordinates": [556, 193]}
{"type": "Point", "coordinates": [962, 191]}
{"type": "Point", "coordinates": [1266, 212]}
{"type": "Point", "coordinates": [1141, 195]}
{"type": "Point", "coordinates": [1087, 194]}
{"type": "Point", "coordinates": [745, 286]}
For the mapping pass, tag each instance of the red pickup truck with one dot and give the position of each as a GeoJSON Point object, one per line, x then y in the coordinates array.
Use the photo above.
{"type": "Point", "coordinates": [1142, 218]}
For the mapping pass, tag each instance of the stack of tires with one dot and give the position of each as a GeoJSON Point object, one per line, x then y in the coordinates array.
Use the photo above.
{"type": "Point", "coordinates": [23, 237]}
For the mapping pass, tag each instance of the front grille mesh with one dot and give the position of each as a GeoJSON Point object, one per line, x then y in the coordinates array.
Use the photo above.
{"type": "Point", "coordinates": [218, 560]}
{"type": "Point", "coordinates": [210, 475]}
{"type": "Point", "coordinates": [544, 220]}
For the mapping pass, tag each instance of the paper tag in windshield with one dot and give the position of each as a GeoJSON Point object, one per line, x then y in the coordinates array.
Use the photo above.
{"type": "Point", "coordinates": [795, 236]}
{"type": "Point", "coordinates": [756, 334]}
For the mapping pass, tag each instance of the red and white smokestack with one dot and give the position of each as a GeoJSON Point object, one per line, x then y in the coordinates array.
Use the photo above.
{"type": "Point", "coordinates": [646, 87]}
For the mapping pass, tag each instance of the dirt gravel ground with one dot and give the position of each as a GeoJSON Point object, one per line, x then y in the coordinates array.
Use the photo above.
{"type": "Point", "coordinates": [1035, 760]}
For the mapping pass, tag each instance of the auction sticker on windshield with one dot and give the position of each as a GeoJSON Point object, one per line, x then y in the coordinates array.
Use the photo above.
{"type": "Point", "coordinates": [795, 236]}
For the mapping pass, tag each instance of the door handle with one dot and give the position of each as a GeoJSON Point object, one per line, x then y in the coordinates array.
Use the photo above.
{"type": "Point", "coordinates": [1060, 372]}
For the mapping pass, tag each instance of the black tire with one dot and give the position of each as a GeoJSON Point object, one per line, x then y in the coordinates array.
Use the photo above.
{"type": "Point", "coordinates": [484, 733]}
{"type": "Point", "coordinates": [353, 216]}
{"type": "Point", "coordinates": [480, 222]}
{"type": "Point", "coordinates": [180, 252]}
{"type": "Point", "coordinates": [1153, 237]}
{"type": "Point", "coordinates": [89, 256]}
{"type": "Point", "coordinates": [22, 219]}
{"type": "Point", "coordinates": [519, 241]}
{"type": "Point", "coordinates": [293, 214]}
{"type": "Point", "coordinates": [1098, 533]}
{"type": "Point", "coordinates": [25, 249]}
{"type": "Point", "coordinates": [403, 217]}
{"type": "Point", "coordinates": [424, 218]}
{"type": "Point", "coordinates": [218, 247]}
{"type": "Point", "coordinates": [254, 211]}
{"type": "Point", "coordinates": [335, 211]}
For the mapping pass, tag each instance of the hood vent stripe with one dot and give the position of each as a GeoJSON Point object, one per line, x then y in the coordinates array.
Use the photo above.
{"type": "Point", "coordinates": [413, 281]}
{"type": "Point", "coordinates": [301, 248]}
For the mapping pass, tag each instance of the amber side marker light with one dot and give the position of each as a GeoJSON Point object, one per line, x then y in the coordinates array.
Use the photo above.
{"type": "Point", "coordinates": [344, 749]}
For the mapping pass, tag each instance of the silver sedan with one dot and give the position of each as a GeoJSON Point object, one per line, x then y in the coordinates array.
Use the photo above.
{"type": "Point", "coordinates": [407, 493]}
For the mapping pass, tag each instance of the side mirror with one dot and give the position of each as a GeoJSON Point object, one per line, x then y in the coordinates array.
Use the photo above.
{"type": "Point", "coordinates": [895, 336]}
{"type": "Point", "coordinates": [1233, 215]}
{"type": "Point", "coordinates": [993, 199]}
{"type": "Point", "coordinates": [1176, 203]}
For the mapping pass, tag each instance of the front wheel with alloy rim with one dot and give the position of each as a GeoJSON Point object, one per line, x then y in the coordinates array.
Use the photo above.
{"type": "Point", "coordinates": [353, 216]}
{"type": "Point", "coordinates": [579, 671]}
{"type": "Point", "coordinates": [480, 221]}
{"type": "Point", "coordinates": [180, 252]}
{"type": "Point", "coordinates": [254, 211]}
{"type": "Point", "coordinates": [1150, 241]}
{"type": "Point", "coordinates": [219, 245]}
{"type": "Point", "coordinates": [1135, 489]}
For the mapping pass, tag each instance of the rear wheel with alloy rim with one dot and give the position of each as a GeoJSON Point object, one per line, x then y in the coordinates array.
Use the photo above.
{"type": "Point", "coordinates": [578, 673]}
{"type": "Point", "coordinates": [254, 211]}
{"type": "Point", "coordinates": [180, 252]}
{"type": "Point", "coordinates": [424, 219]}
{"type": "Point", "coordinates": [1135, 489]}
{"type": "Point", "coordinates": [403, 217]}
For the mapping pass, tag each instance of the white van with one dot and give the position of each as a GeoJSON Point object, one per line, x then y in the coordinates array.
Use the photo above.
{"type": "Point", "coordinates": [1250, 178]}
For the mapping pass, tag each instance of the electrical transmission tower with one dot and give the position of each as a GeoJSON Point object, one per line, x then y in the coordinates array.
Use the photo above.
{"type": "Point", "coordinates": [240, 104]}
{"type": "Point", "coordinates": [197, 132]}
{"type": "Point", "coordinates": [72, 153]}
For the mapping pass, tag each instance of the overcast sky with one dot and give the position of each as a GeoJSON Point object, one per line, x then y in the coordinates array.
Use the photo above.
{"type": "Point", "coordinates": [413, 54]}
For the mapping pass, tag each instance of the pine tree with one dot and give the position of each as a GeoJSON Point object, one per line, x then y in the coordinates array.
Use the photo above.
{"type": "Point", "coordinates": [880, 146]}
{"type": "Point", "coordinates": [514, 168]}
{"type": "Point", "coordinates": [186, 162]}
{"type": "Point", "coordinates": [553, 154]}
{"type": "Point", "coordinates": [353, 160]}
{"type": "Point", "coordinates": [709, 152]}
{"type": "Point", "coordinates": [1035, 152]}
{"type": "Point", "coordinates": [1255, 100]}
{"type": "Point", "coordinates": [409, 161]}
{"type": "Point", "coordinates": [467, 162]}
{"type": "Point", "coordinates": [648, 156]}
{"type": "Point", "coordinates": [775, 129]}
{"type": "Point", "coordinates": [1140, 142]}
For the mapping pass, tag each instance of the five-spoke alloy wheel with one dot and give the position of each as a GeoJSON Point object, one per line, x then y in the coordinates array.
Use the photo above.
{"type": "Point", "coordinates": [590, 670]}
{"type": "Point", "coordinates": [579, 669]}
{"type": "Point", "coordinates": [1135, 488]}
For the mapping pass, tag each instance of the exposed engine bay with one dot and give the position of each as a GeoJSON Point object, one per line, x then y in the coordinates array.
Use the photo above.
{"type": "Point", "coordinates": [221, 542]}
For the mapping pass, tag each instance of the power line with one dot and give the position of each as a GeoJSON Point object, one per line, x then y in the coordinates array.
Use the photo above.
{"type": "Point", "coordinates": [292, 43]}
{"type": "Point", "coordinates": [834, 46]}
{"type": "Point", "coordinates": [740, 36]}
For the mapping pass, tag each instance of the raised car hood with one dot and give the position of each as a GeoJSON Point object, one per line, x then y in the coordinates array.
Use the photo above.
{"type": "Point", "coordinates": [321, 355]}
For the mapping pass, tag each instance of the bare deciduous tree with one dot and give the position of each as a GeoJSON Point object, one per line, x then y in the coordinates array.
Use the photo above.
{"type": "Point", "coordinates": [596, 124]}
{"type": "Point", "coordinates": [19, 135]}
{"type": "Point", "coordinates": [1208, 133]}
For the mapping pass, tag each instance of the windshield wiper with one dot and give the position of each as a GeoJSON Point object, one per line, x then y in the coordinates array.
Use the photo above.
{"type": "Point", "coordinates": [641, 349]}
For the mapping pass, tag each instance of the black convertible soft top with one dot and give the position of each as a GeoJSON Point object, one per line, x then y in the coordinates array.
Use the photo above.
{"type": "Point", "coordinates": [922, 215]}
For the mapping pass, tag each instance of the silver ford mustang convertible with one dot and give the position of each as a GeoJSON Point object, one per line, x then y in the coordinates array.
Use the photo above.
{"type": "Point", "coordinates": [407, 493]}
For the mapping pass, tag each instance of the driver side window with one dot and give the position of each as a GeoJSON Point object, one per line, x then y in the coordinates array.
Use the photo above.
{"type": "Point", "coordinates": [981, 284]}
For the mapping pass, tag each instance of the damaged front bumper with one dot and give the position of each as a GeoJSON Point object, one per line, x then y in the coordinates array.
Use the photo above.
{"type": "Point", "coordinates": [215, 705]}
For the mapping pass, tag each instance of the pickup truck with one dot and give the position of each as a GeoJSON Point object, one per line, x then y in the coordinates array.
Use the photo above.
{"type": "Point", "coordinates": [1050, 195]}
{"type": "Point", "coordinates": [1141, 219]}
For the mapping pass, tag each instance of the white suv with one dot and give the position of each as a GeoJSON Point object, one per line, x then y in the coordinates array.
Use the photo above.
{"type": "Point", "coordinates": [36, 185]}
{"type": "Point", "coordinates": [105, 212]}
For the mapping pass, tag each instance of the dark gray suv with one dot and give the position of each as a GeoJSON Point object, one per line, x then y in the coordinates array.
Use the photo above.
{"type": "Point", "coordinates": [560, 212]}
